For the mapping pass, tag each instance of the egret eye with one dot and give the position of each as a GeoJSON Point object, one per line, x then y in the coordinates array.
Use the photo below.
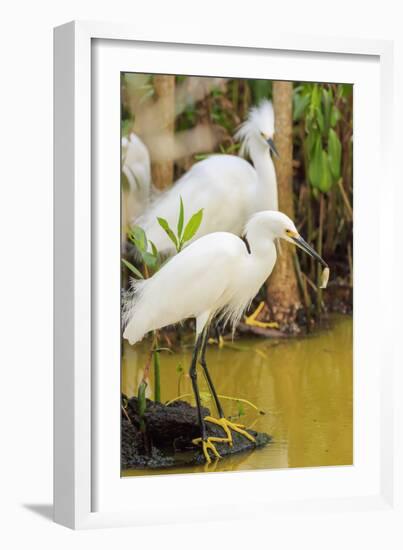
{"type": "Point", "coordinates": [291, 233]}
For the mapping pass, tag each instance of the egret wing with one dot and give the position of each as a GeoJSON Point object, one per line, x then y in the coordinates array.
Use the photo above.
{"type": "Point", "coordinates": [191, 283]}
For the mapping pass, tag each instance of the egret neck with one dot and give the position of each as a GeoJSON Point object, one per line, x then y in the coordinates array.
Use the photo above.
{"type": "Point", "coordinates": [266, 192]}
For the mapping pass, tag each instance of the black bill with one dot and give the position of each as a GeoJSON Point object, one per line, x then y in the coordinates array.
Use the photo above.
{"type": "Point", "coordinates": [299, 241]}
{"type": "Point", "coordinates": [270, 143]}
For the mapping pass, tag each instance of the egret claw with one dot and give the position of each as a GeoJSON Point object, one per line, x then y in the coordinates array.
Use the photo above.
{"type": "Point", "coordinates": [209, 444]}
{"type": "Point", "coordinates": [252, 321]}
{"type": "Point", "coordinates": [227, 426]}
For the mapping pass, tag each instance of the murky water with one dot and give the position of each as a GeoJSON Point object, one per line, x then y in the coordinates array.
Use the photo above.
{"type": "Point", "coordinates": [305, 387]}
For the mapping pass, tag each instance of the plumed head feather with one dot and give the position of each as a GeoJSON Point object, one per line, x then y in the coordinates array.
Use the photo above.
{"type": "Point", "coordinates": [260, 121]}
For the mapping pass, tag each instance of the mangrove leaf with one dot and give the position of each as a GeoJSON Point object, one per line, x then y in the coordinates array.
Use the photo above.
{"type": "Point", "coordinates": [132, 268]}
{"type": "Point", "coordinates": [326, 178]}
{"type": "Point", "coordinates": [165, 226]}
{"type": "Point", "coordinates": [193, 225]}
{"type": "Point", "coordinates": [180, 219]}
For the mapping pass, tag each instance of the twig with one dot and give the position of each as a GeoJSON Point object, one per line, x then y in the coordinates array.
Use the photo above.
{"type": "Point", "coordinates": [310, 282]}
{"type": "Point", "coordinates": [146, 373]}
{"type": "Point", "coordinates": [260, 411]}
{"type": "Point", "coordinates": [345, 199]}
{"type": "Point", "coordinates": [126, 415]}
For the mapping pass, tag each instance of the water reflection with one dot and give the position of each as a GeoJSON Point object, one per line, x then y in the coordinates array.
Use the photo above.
{"type": "Point", "coordinates": [304, 386]}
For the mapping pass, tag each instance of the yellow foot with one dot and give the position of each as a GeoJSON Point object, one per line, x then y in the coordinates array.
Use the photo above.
{"type": "Point", "coordinates": [207, 444]}
{"type": "Point", "coordinates": [227, 426]}
{"type": "Point", "coordinates": [252, 321]}
{"type": "Point", "coordinates": [219, 342]}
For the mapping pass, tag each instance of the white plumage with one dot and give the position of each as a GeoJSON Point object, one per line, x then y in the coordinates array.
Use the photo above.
{"type": "Point", "coordinates": [137, 169]}
{"type": "Point", "coordinates": [216, 274]}
{"type": "Point", "coordinates": [227, 187]}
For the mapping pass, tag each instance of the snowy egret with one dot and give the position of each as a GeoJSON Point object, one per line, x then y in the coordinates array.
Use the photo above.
{"type": "Point", "coordinates": [216, 276]}
{"type": "Point", "coordinates": [137, 170]}
{"type": "Point", "coordinates": [227, 187]}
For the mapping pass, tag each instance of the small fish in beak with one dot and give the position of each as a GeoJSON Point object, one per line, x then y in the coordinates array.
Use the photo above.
{"type": "Point", "coordinates": [301, 243]}
{"type": "Point", "coordinates": [325, 277]}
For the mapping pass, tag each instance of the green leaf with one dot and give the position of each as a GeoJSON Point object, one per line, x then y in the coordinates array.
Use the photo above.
{"type": "Point", "coordinates": [193, 225]}
{"type": "Point", "coordinates": [149, 259]}
{"type": "Point", "coordinates": [141, 396]}
{"type": "Point", "coordinates": [311, 140]}
{"type": "Point", "coordinates": [154, 249]}
{"type": "Point", "coordinates": [180, 219]}
{"type": "Point", "coordinates": [326, 178]}
{"type": "Point", "coordinates": [319, 170]}
{"type": "Point", "coordinates": [202, 156]}
{"type": "Point", "coordinates": [132, 268]}
{"type": "Point", "coordinates": [315, 163]}
{"type": "Point", "coordinates": [165, 226]}
{"type": "Point", "coordinates": [327, 99]}
{"type": "Point", "coordinates": [301, 102]}
{"type": "Point", "coordinates": [335, 116]}
{"type": "Point", "coordinates": [345, 90]}
{"type": "Point", "coordinates": [320, 119]}
{"type": "Point", "coordinates": [315, 98]}
{"type": "Point", "coordinates": [334, 154]}
{"type": "Point", "coordinates": [163, 223]}
{"type": "Point", "coordinates": [138, 237]}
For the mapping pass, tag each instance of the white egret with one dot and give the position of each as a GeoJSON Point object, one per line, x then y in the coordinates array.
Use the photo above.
{"type": "Point", "coordinates": [227, 187]}
{"type": "Point", "coordinates": [218, 275]}
{"type": "Point", "coordinates": [137, 169]}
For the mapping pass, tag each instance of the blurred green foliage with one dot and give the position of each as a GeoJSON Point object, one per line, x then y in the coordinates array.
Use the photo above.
{"type": "Point", "coordinates": [316, 106]}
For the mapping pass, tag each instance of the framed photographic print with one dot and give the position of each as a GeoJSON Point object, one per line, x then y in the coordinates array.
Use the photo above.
{"type": "Point", "coordinates": [216, 206]}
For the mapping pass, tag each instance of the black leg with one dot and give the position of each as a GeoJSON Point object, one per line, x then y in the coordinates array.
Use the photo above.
{"type": "Point", "coordinates": [203, 363]}
{"type": "Point", "coordinates": [193, 377]}
{"type": "Point", "coordinates": [225, 424]}
{"type": "Point", "coordinates": [207, 443]}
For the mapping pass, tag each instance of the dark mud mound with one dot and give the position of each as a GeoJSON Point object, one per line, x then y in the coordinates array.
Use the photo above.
{"type": "Point", "coordinates": [163, 438]}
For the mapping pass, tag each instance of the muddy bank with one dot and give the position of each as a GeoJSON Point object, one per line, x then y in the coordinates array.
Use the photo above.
{"type": "Point", "coordinates": [162, 438]}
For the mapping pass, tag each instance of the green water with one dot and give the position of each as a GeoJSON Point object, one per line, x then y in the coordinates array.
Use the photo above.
{"type": "Point", "coordinates": [304, 385]}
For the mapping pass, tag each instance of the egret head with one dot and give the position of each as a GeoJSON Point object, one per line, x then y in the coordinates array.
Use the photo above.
{"type": "Point", "coordinates": [277, 225]}
{"type": "Point", "coordinates": [258, 129]}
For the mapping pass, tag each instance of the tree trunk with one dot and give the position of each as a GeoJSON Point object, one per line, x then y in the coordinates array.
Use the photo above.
{"type": "Point", "coordinates": [283, 295]}
{"type": "Point", "coordinates": [164, 87]}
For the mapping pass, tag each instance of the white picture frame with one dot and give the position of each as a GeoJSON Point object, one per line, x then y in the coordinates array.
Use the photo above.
{"type": "Point", "coordinates": [88, 490]}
